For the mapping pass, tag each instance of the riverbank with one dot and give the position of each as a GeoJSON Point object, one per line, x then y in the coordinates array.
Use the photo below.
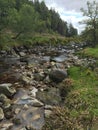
{"type": "Point", "coordinates": [36, 81]}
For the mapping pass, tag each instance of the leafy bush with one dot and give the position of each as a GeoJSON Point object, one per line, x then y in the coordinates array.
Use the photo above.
{"type": "Point", "coordinates": [65, 87]}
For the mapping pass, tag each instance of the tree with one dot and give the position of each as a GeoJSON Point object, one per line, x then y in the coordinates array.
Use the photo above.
{"type": "Point", "coordinates": [5, 7]}
{"type": "Point", "coordinates": [92, 13]}
{"type": "Point", "coordinates": [23, 21]}
{"type": "Point", "coordinates": [42, 9]}
{"type": "Point", "coordinates": [19, 3]}
{"type": "Point", "coordinates": [71, 30]}
{"type": "Point", "coordinates": [54, 20]}
{"type": "Point", "coordinates": [62, 27]}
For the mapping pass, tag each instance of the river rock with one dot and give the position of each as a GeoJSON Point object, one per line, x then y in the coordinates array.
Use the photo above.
{"type": "Point", "coordinates": [22, 54]}
{"type": "Point", "coordinates": [26, 80]}
{"type": "Point", "coordinates": [7, 89]}
{"type": "Point", "coordinates": [27, 100]}
{"type": "Point", "coordinates": [6, 103]}
{"type": "Point", "coordinates": [38, 77]}
{"type": "Point", "coordinates": [33, 92]}
{"type": "Point", "coordinates": [1, 114]}
{"type": "Point", "coordinates": [31, 118]}
{"type": "Point", "coordinates": [6, 125]}
{"type": "Point", "coordinates": [50, 96]}
{"type": "Point", "coordinates": [48, 113]}
{"type": "Point", "coordinates": [29, 112]}
{"type": "Point", "coordinates": [58, 75]}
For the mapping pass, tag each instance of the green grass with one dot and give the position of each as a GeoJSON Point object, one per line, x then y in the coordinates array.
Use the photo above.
{"type": "Point", "coordinates": [90, 52]}
{"type": "Point", "coordinates": [86, 85]}
{"type": "Point", "coordinates": [81, 104]}
{"type": "Point", "coordinates": [80, 109]}
{"type": "Point", "coordinates": [84, 96]}
{"type": "Point", "coordinates": [6, 41]}
{"type": "Point", "coordinates": [84, 76]}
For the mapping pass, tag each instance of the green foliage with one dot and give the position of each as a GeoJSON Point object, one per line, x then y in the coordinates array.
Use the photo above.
{"type": "Point", "coordinates": [21, 14]}
{"type": "Point", "coordinates": [72, 31]}
{"type": "Point", "coordinates": [65, 87]}
{"type": "Point", "coordinates": [83, 77]}
{"type": "Point", "coordinates": [22, 18]}
{"type": "Point", "coordinates": [80, 110]}
{"type": "Point", "coordinates": [31, 39]}
{"type": "Point", "coordinates": [5, 42]}
{"type": "Point", "coordinates": [92, 13]}
{"type": "Point", "coordinates": [85, 85]}
{"type": "Point", "coordinates": [89, 52]}
{"type": "Point", "coordinates": [5, 7]}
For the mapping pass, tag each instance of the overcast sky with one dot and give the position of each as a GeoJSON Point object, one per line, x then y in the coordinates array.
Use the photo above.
{"type": "Point", "coordinates": [69, 10]}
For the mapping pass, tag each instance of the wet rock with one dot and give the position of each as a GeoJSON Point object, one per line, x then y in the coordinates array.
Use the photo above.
{"type": "Point", "coordinates": [1, 114]}
{"type": "Point", "coordinates": [10, 76]}
{"type": "Point", "coordinates": [50, 96]}
{"type": "Point", "coordinates": [38, 77]}
{"type": "Point", "coordinates": [8, 113]}
{"type": "Point", "coordinates": [11, 60]}
{"type": "Point", "coordinates": [58, 75]}
{"type": "Point", "coordinates": [27, 77]}
{"type": "Point", "coordinates": [49, 107]}
{"type": "Point", "coordinates": [5, 102]}
{"type": "Point", "coordinates": [60, 58]}
{"type": "Point", "coordinates": [37, 103]}
{"type": "Point", "coordinates": [32, 118]}
{"type": "Point", "coordinates": [2, 52]}
{"type": "Point", "coordinates": [33, 92]}
{"type": "Point", "coordinates": [29, 101]}
{"type": "Point", "coordinates": [7, 89]}
{"type": "Point", "coordinates": [29, 60]}
{"type": "Point", "coordinates": [26, 80]}
{"type": "Point", "coordinates": [48, 110]}
{"type": "Point", "coordinates": [22, 54]}
{"type": "Point", "coordinates": [29, 112]}
{"type": "Point", "coordinates": [48, 113]}
{"type": "Point", "coordinates": [6, 125]}
{"type": "Point", "coordinates": [17, 110]}
{"type": "Point", "coordinates": [6, 105]}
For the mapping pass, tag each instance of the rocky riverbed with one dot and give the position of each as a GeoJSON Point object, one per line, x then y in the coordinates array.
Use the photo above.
{"type": "Point", "coordinates": [29, 79]}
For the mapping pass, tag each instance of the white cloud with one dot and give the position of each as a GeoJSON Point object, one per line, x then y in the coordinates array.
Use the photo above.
{"type": "Point", "coordinates": [71, 16]}
{"type": "Point", "coordinates": [74, 18]}
{"type": "Point", "coordinates": [69, 10]}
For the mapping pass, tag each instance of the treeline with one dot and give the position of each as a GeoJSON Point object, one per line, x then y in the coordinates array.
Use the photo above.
{"type": "Point", "coordinates": [20, 17]}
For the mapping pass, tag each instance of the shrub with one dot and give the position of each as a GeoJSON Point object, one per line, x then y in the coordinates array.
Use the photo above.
{"type": "Point", "coordinates": [65, 86]}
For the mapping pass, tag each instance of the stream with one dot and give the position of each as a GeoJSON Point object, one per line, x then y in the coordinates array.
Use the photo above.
{"type": "Point", "coordinates": [27, 86]}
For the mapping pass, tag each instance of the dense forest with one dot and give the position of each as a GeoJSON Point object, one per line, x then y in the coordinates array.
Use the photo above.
{"type": "Point", "coordinates": [24, 17]}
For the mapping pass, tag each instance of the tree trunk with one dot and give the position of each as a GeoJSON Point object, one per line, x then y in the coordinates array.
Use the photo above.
{"type": "Point", "coordinates": [17, 35]}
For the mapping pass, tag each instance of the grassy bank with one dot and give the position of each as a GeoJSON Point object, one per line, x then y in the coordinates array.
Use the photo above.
{"type": "Point", "coordinates": [7, 41]}
{"type": "Point", "coordinates": [80, 110]}
{"type": "Point", "coordinates": [89, 52]}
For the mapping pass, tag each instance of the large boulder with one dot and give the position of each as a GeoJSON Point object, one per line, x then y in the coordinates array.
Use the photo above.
{"type": "Point", "coordinates": [4, 101]}
{"type": "Point", "coordinates": [50, 96]}
{"type": "Point", "coordinates": [58, 75]}
{"type": "Point", "coordinates": [1, 114]}
{"type": "Point", "coordinates": [28, 111]}
{"type": "Point", "coordinates": [7, 89]}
